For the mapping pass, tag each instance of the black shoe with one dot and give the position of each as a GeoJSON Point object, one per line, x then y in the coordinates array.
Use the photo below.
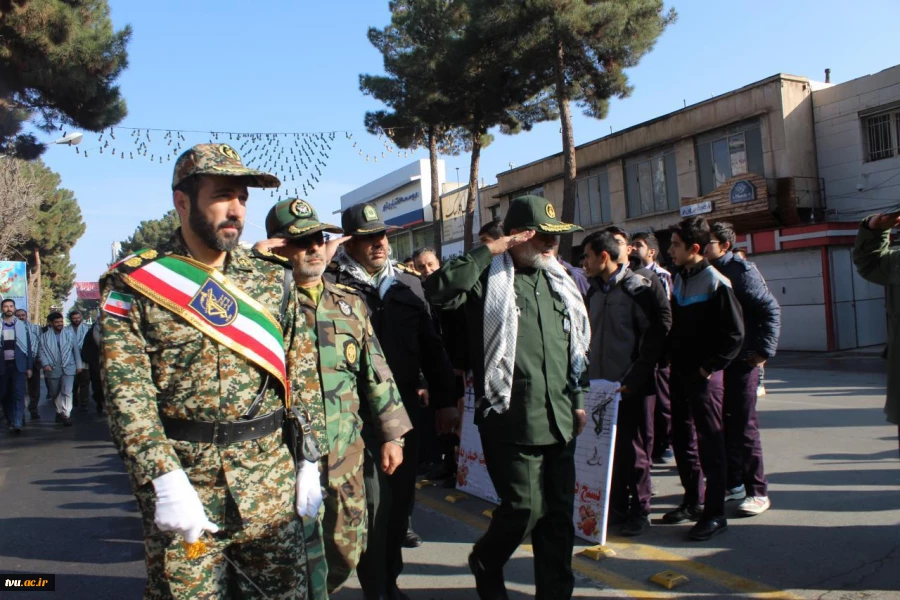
{"type": "Point", "coordinates": [490, 585]}
{"type": "Point", "coordinates": [59, 418]}
{"type": "Point", "coordinates": [664, 458]}
{"type": "Point", "coordinates": [685, 512]}
{"type": "Point", "coordinates": [35, 416]}
{"type": "Point", "coordinates": [708, 528]}
{"type": "Point", "coordinates": [17, 431]}
{"type": "Point", "coordinates": [67, 422]}
{"type": "Point", "coordinates": [412, 539]}
{"type": "Point", "coordinates": [635, 526]}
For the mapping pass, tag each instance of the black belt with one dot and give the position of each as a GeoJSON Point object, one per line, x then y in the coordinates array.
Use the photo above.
{"type": "Point", "coordinates": [222, 433]}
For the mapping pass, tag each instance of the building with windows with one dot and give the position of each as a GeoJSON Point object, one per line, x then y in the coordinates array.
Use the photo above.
{"type": "Point", "coordinates": [785, 159]}
{"type": "Point", "coordinates": [403, 198]}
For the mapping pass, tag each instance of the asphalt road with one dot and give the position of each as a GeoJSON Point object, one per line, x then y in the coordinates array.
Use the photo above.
{"type": "Point", "coordinates": [833, 531]}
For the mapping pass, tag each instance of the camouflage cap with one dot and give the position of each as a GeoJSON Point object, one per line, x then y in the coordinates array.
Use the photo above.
{"type": "Point", "coordinates": [362, 219]}
{"type": "Point", "coordinates": [534, 212]}
{"type": "Point", "coordinates": [295, 218]}
{"type": "Point", "coordinates": [219, 159]}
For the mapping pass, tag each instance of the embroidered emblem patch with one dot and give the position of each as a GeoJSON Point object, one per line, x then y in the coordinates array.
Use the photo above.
{"type": "Point", "coordinates": [351, 353]}
{"type": "Point", "coordinates": [301, 209]}
{"type": "Point", "coordinates": [228, 151]}
{"type": "Point", "coordinates": [118, 305]}
{"type": "Point", "coordinates": [551, 212]}
{"type": "Point", "coordinates": [215, 304]}
{"type": "Point", "coordinates": [369, 213]}
{"type": "Point", "coordinates": [345, 308]}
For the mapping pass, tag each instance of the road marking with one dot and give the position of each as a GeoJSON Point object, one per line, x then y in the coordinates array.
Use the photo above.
{"type": "Point", "coordinates": [753, 589]}
{"type": "Point", "coordinates": [635, 589]}
{"type": "Point", "coordinates": [582, 566]}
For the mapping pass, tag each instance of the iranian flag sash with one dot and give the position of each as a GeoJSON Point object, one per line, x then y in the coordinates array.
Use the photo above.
{"type": "Point", "coordinates": [203, 297]}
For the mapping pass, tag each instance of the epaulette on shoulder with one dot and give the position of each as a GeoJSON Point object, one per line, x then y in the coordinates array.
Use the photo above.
{"type": "Point", "coordinates": [405, 269]}
{"type": "Point", "coordinates": [269, 256]}
{"type": "Point", "coordinates": [132, 261]}
{"type": "Point", "coordinates": [346, 288]}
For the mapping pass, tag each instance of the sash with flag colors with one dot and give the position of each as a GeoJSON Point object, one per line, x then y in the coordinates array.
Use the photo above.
{"type": "Point", "coordinates": [207, 300]}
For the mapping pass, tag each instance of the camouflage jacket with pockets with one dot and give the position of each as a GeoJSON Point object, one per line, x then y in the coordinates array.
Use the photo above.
{"type": "Point", "coordinates": [158, 364]}
{"type": "Point", "coordinates": [353, 372]}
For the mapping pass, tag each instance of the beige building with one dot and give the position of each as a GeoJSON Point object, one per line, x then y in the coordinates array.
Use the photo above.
{"type": "Point", "coordinates": [642, 178]}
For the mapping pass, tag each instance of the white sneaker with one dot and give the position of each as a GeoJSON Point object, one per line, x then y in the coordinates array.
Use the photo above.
{"type": "Point", "coordinates": [754, 505]}
{"type": "Point", "coordinates": [735, 493]}
{"type": "Point", "coordinates": [760, 391]}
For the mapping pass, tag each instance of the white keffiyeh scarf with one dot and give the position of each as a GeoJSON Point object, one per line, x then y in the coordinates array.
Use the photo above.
{"type": "Point", "coordinates": [381, 280]}
{"type": "Point", "coordinates": [501, 327]}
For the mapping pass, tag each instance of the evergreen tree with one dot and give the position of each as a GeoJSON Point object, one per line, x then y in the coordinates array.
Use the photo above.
{"type": "Point", "coordinates": [55, 227]}
{"type": "Point", "coordinates": [150, 234]}
{"type": "Point", "coordinates": [580, 49]}
{"type": "Point", "coordinates": [59, 61]}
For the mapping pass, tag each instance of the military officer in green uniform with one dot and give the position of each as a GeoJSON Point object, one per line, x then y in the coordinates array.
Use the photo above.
{"type": "Point", "coordinates": [353, 372]}
{"type": "Point", "coordinates": [193, 349]}
{"type": "Point", "coordinates": [528, 334]}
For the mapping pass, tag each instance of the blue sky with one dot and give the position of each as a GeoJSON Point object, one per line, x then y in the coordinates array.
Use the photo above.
{"type": "Point", "coordinates": [288, 66]}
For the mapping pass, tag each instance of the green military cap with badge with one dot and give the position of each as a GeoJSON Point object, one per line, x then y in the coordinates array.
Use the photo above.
{"type": "Point", "coordinates": [362, 219]}
{"type": "Point", "coordinates": [219, 159]}
{"type": "Point", "coordinates": [535, 213]}
{"type": "Point", "coordinates": [295, 218]}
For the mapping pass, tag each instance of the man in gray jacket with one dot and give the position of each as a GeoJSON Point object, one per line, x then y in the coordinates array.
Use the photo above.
{"type": "Point", "coordinates": [61, 358]}
{"type": "Point", "coordinates": [629, 322]}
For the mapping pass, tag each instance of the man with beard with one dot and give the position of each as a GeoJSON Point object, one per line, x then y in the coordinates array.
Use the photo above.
{"type": "Point", "coordinates": [402, 322]}
{"type": "Point", "coordinates": [196, 391]}
{"type": "Point", "coordinates": [528, 336]}
{"type": "Point", "coordinates": [16, 367]}
{"type": "Point", "coordinates": [61, 360]}
{"type": "Point", "coordinates": [82, 385]}
{"type": "Point", "coordinates": [352, 372]}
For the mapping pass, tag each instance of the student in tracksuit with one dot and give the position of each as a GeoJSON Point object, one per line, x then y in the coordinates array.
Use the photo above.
{"type": "Point", "coordinates": [707, 334]}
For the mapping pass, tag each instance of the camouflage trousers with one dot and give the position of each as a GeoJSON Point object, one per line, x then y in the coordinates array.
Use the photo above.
{"type": "Point", "coordinates": [270, 556]}
{"type": "Point", "coordinates": [337, 539]}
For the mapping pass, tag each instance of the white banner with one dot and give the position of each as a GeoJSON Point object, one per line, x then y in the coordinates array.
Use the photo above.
{"type": "Point", "coordinates": [593, 459]}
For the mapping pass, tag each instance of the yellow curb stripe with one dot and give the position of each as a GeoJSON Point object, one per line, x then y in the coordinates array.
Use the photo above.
{"type": "Point", "coordinates": [580, 565]}
{"type": "Point", "coordinates": [748, 587]}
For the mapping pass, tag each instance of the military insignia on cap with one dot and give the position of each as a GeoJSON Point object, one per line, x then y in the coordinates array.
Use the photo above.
{"type": "Point", "coordinates": [215, 304]}
{"type": "Point", "coordinates": [351, 352]}
{"type": "Point", "coordinates": [551, 212]}
{"type": "Point", "coordinates": [301, 209]}
{"type": "Point", "coordinates": [228, 151]}
{"type": "Point", "coordinates": [369, 214]}
{"type": "Point", "coordinates": [345, 308]}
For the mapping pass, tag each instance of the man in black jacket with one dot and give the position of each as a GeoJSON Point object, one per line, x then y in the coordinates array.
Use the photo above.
{"type": "Point", "coordinates": [629, 323]}
{"type": "Point", "coordinates": [402, 322]}
{"type": "Point", "coordinates": [707, 334]}
{"type": "Point", "coordinates": [762, 324]}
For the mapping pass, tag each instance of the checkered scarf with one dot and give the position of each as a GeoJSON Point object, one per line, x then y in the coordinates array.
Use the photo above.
{"type": "Point", "coordinates": [501, 328]}
{"type": "Point", "coordinates": [381, 280]}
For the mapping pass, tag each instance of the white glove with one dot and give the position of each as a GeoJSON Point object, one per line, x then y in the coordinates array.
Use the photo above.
{"type": "Point", "coordinates": [178, 507]}
{"type": "Point", "coordinates": [309, 490]}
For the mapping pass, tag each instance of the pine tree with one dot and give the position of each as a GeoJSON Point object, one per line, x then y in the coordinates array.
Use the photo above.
{"type": "Point", "coordinates": [56, 226]}
{"type": "Point", "coordinates": [150, 234]}
{"type": "Point", "coordinates": [580, 49]}
{"type": "Point", "coordinates": [59, 61]}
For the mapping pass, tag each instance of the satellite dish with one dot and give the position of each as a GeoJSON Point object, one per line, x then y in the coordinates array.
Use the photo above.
{"type": "Point", "coordinates": [72, 139]}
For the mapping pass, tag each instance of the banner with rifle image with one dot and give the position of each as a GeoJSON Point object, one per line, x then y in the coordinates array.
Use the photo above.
{"type": "Point", "coordinates": [593, 459]}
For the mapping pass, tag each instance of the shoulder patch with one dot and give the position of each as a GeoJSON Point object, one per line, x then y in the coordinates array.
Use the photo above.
{"type": "Point", "coordinates": [118, 305]}
{"type": "Point", "coordinates": [405, 269]}
{"type": "Point", "coordinates": [345, 288]}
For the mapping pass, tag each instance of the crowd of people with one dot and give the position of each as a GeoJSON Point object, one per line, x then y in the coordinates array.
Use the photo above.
{"type": "Point", "coordinates": [67, 356]}
{"type": "Point", "coordinates": [274, 405]}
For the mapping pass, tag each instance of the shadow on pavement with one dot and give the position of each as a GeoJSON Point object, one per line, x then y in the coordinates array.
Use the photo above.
{"type": "Point", "coordinates": [92, 541]}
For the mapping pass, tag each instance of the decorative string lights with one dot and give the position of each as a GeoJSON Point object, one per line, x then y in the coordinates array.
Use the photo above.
{"type": "Point", "coordinates": [298, 159]}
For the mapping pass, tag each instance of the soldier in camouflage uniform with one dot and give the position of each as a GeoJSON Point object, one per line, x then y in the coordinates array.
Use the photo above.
{"type": "Point", "coordinates": [181, 404]}
{"type": "Point", "coordinates": [353, 371]}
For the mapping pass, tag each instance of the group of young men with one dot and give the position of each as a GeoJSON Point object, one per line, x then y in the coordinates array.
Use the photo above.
{"type": "Point", "coordinates": [212, 352]}
{"type": "Point", "coordinates": [69, 364]}
{"type": "Point", "coordinates": [688, 349]}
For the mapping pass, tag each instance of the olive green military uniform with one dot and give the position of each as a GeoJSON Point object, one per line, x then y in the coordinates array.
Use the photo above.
{"type": "Point", "coordinates": [529, 449]}
{"type": "Point", "coordinates": [352, 371]}
{"type": "Point", "coordinates": [160, 368]}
